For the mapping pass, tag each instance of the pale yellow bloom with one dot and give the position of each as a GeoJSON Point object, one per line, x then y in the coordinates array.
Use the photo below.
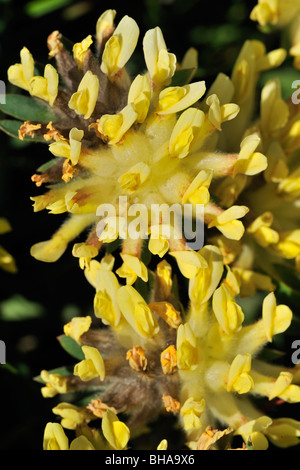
{"type": "Point", "coordinates": [254, 432]}
{"type": "Point", "coordinates": [21, 74]}
{"type": "Point", "coordinates": [275, 12]}
{"type": "Point", "coordinates": [288, 245]}
{"type": "Point", "coordinates": [115, 432]}
{"type": "Point", "coordinates": [72, 415]}
{"type": "Point", "coordinates": [191, 412]}
{"type": "Point", "coordinates": [198, 190]}
{"type": "Point", "coordinates": [276, 318]}
{"type": "Point", "coordinates": [114, 126]}
{"type": "Point", "coordinates": [174, 99]}
{"type": "Point", "coordinates": [70, 150]}
{"type": "Point", "coordinates": [228, 224]}
{"type": "Point", "coordinates": [137, 312]}
{"type": "Point", "coordinates": [134, 177]}
{"type": "Point", "coordinates": [189, 122]}
{"type": "Point", "coordinates": [105, 301]}
{"type": "Point", "coordinates": [250, 162]}
{"type": "Point", "coordinates": [239, 378]}
{"type": "Point", "coordinates": [54, 384]}
{"type": "Point", "coordinates": [80, 49]}
{"type": "Point", "coordinates": [228, 313]}
{"type": "Point", "coordinates": [55, 437]}
{"type": "Point", "coordinates": [45, 87]}
{"type": "Point", "coordinates": [187, 349]}
{"type": "Point", "coordinates": [132, 268]}
{"type": "Point", "coordinates": [105, 25]}
{"type": "Point", "coordinates": [140, 96]}
{"type": "Point", "coordinates": [77, 327]}
{"type": "Point", "coordinates": [189, 262]}
{"type": "Point", "coordinates": [119, 47]}
{"type": "Point", "coordinates": [161, 64]}
{"type": "Point", "coordinates": [83, 101]}
{"type": "Point", "coordinates": [262, 231]}
{"type": "Point", "coordinates": [163, 445]}
{"type": "Point", "coordinates": [92, 366]}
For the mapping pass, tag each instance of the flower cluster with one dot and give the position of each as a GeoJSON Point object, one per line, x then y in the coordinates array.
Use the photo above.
{"type": "Point", "coordinates": [162, 138]}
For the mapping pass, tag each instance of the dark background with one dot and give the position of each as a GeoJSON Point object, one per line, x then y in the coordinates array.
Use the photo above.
{"type": "Point", "coordinates": [40, 298]}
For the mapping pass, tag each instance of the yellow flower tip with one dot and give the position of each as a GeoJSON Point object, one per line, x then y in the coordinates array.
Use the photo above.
{"type": "Point", "coordinates": [262, 231]}
{"type": "Point", "coordinates": [72, 415]}
{"type": "Point", "coordinates": [188, 353]}
{"type": "Point", "coordinates": [84, 100]}
{"type": "Point", "coordinates": [21, 74]}
{"type": "Point", "coordinates": [134, 178]}
{"type": "Point", "coordinates": [140, 96]}
{"type": "Point", "coordinates": [55, 383]}
{"type": "Point", "coordinates": [115, 432]}
{"type": "Point", "coordinates": [184, 132]}
{"type": "Point", "coordinates": [218, 113]}
{"type": "Point", "coordinates": [198, 190]}
{"type": "Point", "coordinates": [55, 437]}
{"type": "Point", "coordinates": [81, 443]}
{"type": "Point", "coordinates": [113, 127]}
{"type": "Point", "coordinates": [105, 25]}
{"type": "Point", "coordinates": [49, 251]}
{"type": "Point", "coordinates": [239, 378]}
{"type": "Point", "coordinates": [228, 225]}
{"type": "Point", "coordinates": [132, 268]}
{"type": "Point", "coordinates": [163, 445]}
{"type": "Point", "coordinates": [168, 360]}
{"type": "Point", "coordinates": [136, 312]}
{"type": "Point", "coordinates": [191, 412]}
{"type": "Point", "coordinates": [80, 49]}
{"type": "Point", "coordinates": [175, 99]}
{"type": "Point", "coordinates": [119, 47]}
{"type": "Point", "coordinates": [276, 318]}
{"type": "Point", "coordinates": [137, 358]}
{"type": "Point", "coordinates": [164, 279]}
{"type": "Point", "coordinates": [160, 63]}
{"type": "Point", "coordinates": [77, 327]}
{"type": "Point", "coordinates": [189, 262]}
{"type": "Point", "coordinates": [228, 313]}
{"type": "Point", "coordinates": [250, 162]}
{"type": "Point", "coordinates": [92, 366]}
{"type": "Point", "coordinates": [167, 312]}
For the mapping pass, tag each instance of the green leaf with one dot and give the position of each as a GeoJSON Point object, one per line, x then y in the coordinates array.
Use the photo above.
{"type": "Point", "coordinates": [26, 108]}
{"type": "Point", "coordinates": [18, 308]}
{"type": "Point", "coordinates": [12, 127]}
{"type": "Point", "coordinates": [38, 8]}
{"type": "Point", "coordinates": [71, 347]}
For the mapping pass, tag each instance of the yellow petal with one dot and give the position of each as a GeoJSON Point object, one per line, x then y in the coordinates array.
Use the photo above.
{"type": "Point", "coordinates": [120, 46]}
{"type": "Point", "coordinates": [276, 319]}
{"type": "Point", "coordinates": [175, 99]}
{"type": "Point", "coordinates": [114, 431]}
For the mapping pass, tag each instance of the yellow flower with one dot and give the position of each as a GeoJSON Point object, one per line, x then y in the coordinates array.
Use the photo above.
{"type": "Point", "coordinates": [187, 349]}
{"type": "Point", "coordinates": [72, 415]}
{"type": "Point", "coordinates": [77, 327]}
{"type": "Point", "coordinates": [161, 64]}
{"type": "Point", "coordinates": [55, 437]}
{"type": "Point", "coordinates": [276, 318]}
{"type": "Point", "coordinates": [21, 74]}
{"type": "Point", "coordinates": [116, 432]}
{"type": "Point", "coordinates": [239, 378]}
{"type": "Point", "coordinates": [55, 383]}
{"type": "Point", "coordinates": [92, 366]}
{"type": "Point", "coordinates": [7, 262]}
{"type": "Point", "coordinates": [137, 312]}
{"type": "Point", "coordinates": [45, 87]}
{"type": "Point", "coordinates": [228, 224]}
{"type": "Point", "coordinates": [119, 47]}
{"type": "Point", "coordinates": [80, 49]}
{"type": "Point", "coordinates": [228, 313]}
{"type": "Point", "coordinates": [84, 100]}
{"type": "Point", "coordinates": [191, 412]}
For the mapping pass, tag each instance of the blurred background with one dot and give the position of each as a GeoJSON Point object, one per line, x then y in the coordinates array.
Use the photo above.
{"type": "Point", "coordinates": [37, 300]}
